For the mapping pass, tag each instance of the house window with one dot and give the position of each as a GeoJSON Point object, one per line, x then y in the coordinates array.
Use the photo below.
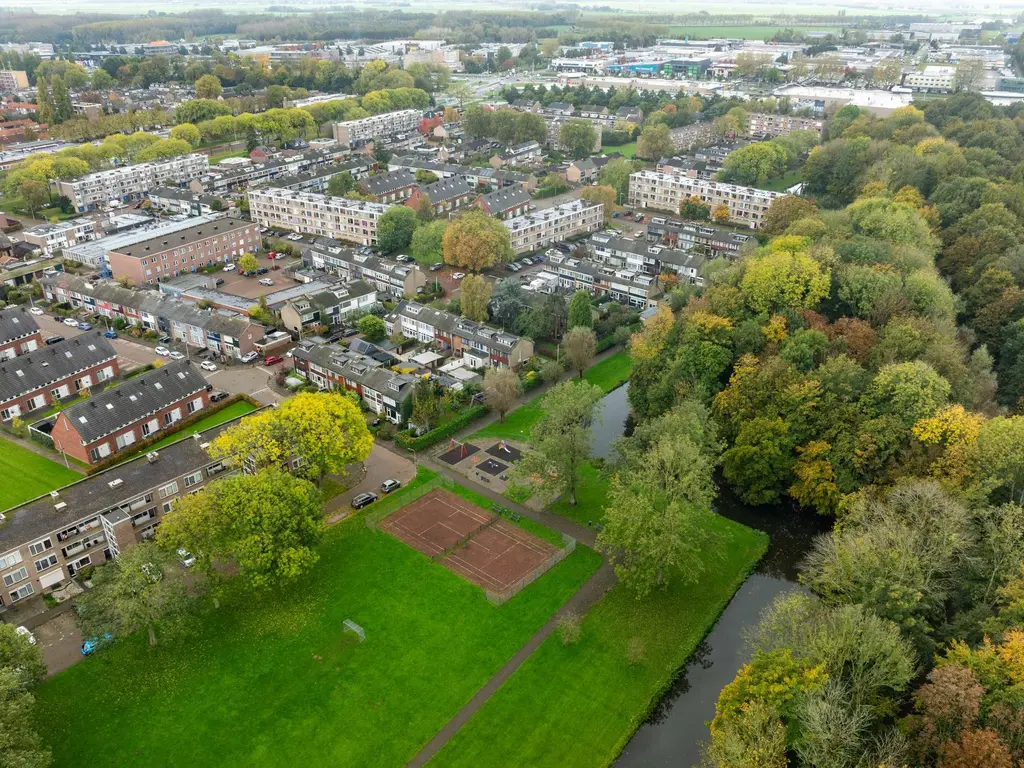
{"type": "Point", "coordinates": [195, 405]}
{"type": "Point", "coordinates": [99, 452]}
{"type": "Point", "coordinates": [194, 478]}
{"type": "Point", "coordinates": [21, 592]}
{"type": "Point", "coordinates": [9, 413]}
{"type": "Point", "coordinates": [123, 441]}
{"type": "Point", "coordinates": [172, 416]}
{"type": "Point", "coordinates": [47, 562]}
{"type": "Point", "coordinates": [14, 577]}
{"type": "Point", "coordinates": [40, 546]}
{"type": "Point", "coordinates": [10, 560]}
{"type": "Point", "coordinates": [150, 427]}
{"type": "Point", "coordinates": [169, 490]}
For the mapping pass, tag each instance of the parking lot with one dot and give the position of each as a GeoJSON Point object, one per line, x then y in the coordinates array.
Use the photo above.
{"type": "Point", "coordinates": [249, 287]}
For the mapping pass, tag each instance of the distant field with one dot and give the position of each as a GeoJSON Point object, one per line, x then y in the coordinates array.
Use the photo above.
{"type": "Point", "coordinates": [28, 475]}
{"type": "Point", "coordinates": [782, 183]}
{"type": "Point", "coordinates": [749, 33]}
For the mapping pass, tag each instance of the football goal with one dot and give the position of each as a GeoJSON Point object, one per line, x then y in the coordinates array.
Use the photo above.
{"type": "Point", "coordinates": [351, 626]}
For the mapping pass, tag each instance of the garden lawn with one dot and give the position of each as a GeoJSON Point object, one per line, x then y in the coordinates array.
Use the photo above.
{"type": "Point", "coordinates": [579, 705]}
{"type": "Point", "coordinates": [28, 475]}
{"type": "Point", "coordinates": [273, 680]}
{"type": "Point", "coordinates": [609, 374]}
{"type": "Point", "coordinates": [626, 150]}
{"type": "Point", "coordinates": [233, 411]}
{"type": "Point", "coordinates": [782, 183]}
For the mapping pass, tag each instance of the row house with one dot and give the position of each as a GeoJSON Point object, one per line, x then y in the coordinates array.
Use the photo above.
{"type": "Point", "coordinates": [392, 187]}
{"type": "Point", "coordinates": [184, 201]}
{"type": "Point", "coordinates": [318, 179]}
{"type": "Point", "coordinates": [335, 217]}
{"type": "Point", "coordinates": [138, 409]}
{"type": "Point", "coordinates": [19, 333]}
{"type": "Point", "coordinates": [626, 286]}
{"type": "Point", "coordinates": [526, 153]}
{"type": "Point", "coordinates": [353, 133]}
{"type": "Point", "coordinates": [444, 195]}
{"type": "Point", "coordinates": [284, 165]}
{"type": "Point", "coordinates": [540, 229]}
{"type": "Point", "coordinates": [700, 237]}
{"type": "Point", "coordinates": [47, 541]}
{"type": "Point", "coordinates": [189, 250]}
{"type": "Point", "coordinates": [53, 373]}
{"type": "Point", "coordinates": [492, 178]}
{"type": "Point", "coordinates": [328, 308]}
{"type": "Point", "coordinates": [478, 345]}
{"type": "Point", "coordinates": [505, 203]}
{"type": "Point", "coordinates": [666, 191]}
{"type": "Point", "coordinates": [646, 258]}
{"type": "Point", "coordinates": [130, 183]}
{"type": "Point", "coordinates": [228, 335]}
{"type": "Point", "coordinates": [391, 278]}
{"type": "Point", "coordinates": [764, 125]}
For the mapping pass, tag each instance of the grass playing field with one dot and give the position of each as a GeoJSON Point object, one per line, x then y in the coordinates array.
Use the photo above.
{"type": "Point", "coordinates": [272, 680]}
{"type": "Point", "coordinates": [27, 474]}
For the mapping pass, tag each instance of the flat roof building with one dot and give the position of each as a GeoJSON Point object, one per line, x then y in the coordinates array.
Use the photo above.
{"type": "Point", "coordinates": [353, 221]}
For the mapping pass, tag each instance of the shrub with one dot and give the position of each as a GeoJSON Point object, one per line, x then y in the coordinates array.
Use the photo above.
{"type": "Point", "coordinates": [387, 431]}
{"type": "Point", "coordinates": [442, 432]}
{"type": "Point", "coordinates": [552, 372]}
{"type": "Point", "coordinates": [19, 428]}
{"type": "Point", "coordinates": [570, 628]}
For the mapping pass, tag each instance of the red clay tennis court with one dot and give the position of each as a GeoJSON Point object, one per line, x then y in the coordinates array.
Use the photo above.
{"type": "Point", "coordinates": [476, 544]}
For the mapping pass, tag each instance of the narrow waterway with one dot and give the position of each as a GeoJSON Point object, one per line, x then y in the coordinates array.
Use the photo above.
{"type": "Point", "coordinates": [676, 730]}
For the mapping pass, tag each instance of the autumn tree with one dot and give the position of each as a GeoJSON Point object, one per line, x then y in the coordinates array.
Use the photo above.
{"type": "Point", "coordinates": [248, 263]}
{"type": "Point", "coordinates": [578, 137]}
{"type": "Point", "coordinates": [695, 209]}
{"type": "Point", "coordinates": [720, 214]}
{"type": "Point", "coordinates": [603, 194]}
{"type": "Point", "coordinates": [754, 163]}
{"type": "Point", "coordinates": [209, 87]}
{"type": "Point", "coordinates": [474, 297]}
{"type": "Point", "coordinates": [476, 241]}
{"type": "Point", "coordinates": [783, 211]}
{"type": "Point", "coordinates": [655, 142]}
{"type": "Point", "coordinates": [581, 313]}
{"type": "Point", "coordinates": [580, 348]}
{"type": "Point", "coordinates": [427, 245]}
{"type": "Point", "coordinates": [501, 389]}
{"type": "Point", "coordinates": [784, 279]}
{"type": "Point", "coordinates": [187, 132]}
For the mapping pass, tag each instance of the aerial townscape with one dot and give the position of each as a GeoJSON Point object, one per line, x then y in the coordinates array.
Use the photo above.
{"type": "Point", "coordinates": [567, 386]}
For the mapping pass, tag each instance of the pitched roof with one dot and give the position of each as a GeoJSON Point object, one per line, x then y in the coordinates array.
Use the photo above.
{"type": "Point", "coordinates": [49, 365]}
{"type": "Point", "coordinates": [389, 182]}
{"type": "Point", "coordinates": [134, 400]}
{"type": "Point", "coordinates": [16, 323]}
{"type": "Point", "coordinates": [447, 189]}
{"type": "Point", "coordinates": [501, 200]}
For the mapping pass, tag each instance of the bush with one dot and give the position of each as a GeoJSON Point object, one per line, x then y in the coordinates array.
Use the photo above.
{"type": "Point", "coordinates": [570, 628]}
{"type": "Point", "coordinates": [19, 428]}
{"type": "Point", "coordinates": [387, 431]}
{"type": "Point", "coordinates": [436, 435]}
{"type": "Point", "coordinates": [552, 372]}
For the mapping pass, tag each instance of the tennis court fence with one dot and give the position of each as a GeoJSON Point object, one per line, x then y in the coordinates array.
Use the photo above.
{"type": "Point", "coordinates": [381, 509]}
{"type": "Point", "coordinates": [517, 586]}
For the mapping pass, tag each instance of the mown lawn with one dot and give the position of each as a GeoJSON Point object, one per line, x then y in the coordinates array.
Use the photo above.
{"type": "Point", "coordinates": [579, 705]}
{"type": "Point", "coordinates": [626, 150]}
{"type": "Point", "coordinates": [28, 475]}
{"type": "Point", "coordinates": [782, 183]}
{"type": "Point", "coordinates": [591, 495]}
{"type": "Point", "coordinates": [233, 411]}
{"type": "Point", "coordinates": [273, 680]}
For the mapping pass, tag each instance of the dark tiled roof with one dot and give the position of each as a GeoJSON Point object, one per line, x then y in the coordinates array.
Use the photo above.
{"type": "Point", "coordinates": [183, 237]}
{"type": "Point", "coordinates": [134, 400]}
{"type": "Point", "coordinates": [501, 200]}
{"type": "Point", "coordinates": [49, 365]}
{"type": "Point", "coordinates": [447, 189]}
{"type": "Point", "coordinates": [389, 182]}
{"type": "Point", "coordinates": [16, 323]}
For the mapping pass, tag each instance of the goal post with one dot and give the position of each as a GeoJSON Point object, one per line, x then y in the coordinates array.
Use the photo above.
{"type": "Point", "coordinates": [351, 626]}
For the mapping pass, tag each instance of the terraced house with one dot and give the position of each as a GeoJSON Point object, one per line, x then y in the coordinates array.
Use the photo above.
{"type": "Point", "coordinates": [646, 258]}
{"type": "Point", "coordinates": [354, 221]}
{"type": "Point", "coordinates": [540, 229]}
{"type": "Point", "coordinates": [386, 276]}
{"type": "Point", "coordinates": [141, 407]}
{"type": "Point", "coordinates": [708, 239]}
{"type": "Point", "coordinates": [19, 333]}
{"type": "Point", "coordinates": [626, 286]}
{"type": "Point", "coordinates": [131, 182]}
{"type": "Point", "coordinates": [328, 308]}
{"type": "Point", "coordinates": [393, 187]}
{"type": "Point", "coordinates": [505, 203]}
{"type": "Point", "coordinates": [445, 195]}
{"type": "Point", "coordinates": [666, 191]}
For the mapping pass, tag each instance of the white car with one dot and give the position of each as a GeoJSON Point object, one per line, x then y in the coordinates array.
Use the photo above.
{"type": "Point", "coordinates": [250, 357]}
{"type": "Point", "coordinates": [458, 275]}
{"type": "Point", "coordinates": [36, 311]}
{"type": "Point", "coordinates": [24, 632]}
{"type": "Point", "coordinates": [177, 355]}
{"type": "Point", "coordinates": [266, 281]}
{"type": "Point", "coordinates": [70, 321]}
{"type": "Point", "coordinates": [163, 351]}
{"type": "Point", "coordinates": [206, 365]}
{"type": "Point", "coordinates": [229, 267]}
{"type": "Point", "coordinates": [185, 558]}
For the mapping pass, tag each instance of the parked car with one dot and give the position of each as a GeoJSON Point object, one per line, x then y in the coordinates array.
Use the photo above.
{"type": "Point", "coordinates": [564, 247]}
{"type": "Point", "coordinates": [110, 334]}
{"type": "Point", "coordinates": [218, 282]}
{"type": "Point", "coordinates": [162, 350]}
{"type": "Point", "coordinates": [206, 365]}
{"type": "Point", "coordinates": [512, 267]}
{"type": "Point", "coordinates": [639, 217]}
{"type": "Point", "coordinates": [36, 311]}
{"type": "Point", "coordinates": [83, 326]}
{"type": "Point", "coordinates": [403, 258]}
{"type": "Point", "coordinates": [164, 339]}
{"type": "Point", "coordinates": [262, 271]}
{"type": "Point", "coordinates": [70, 322]}
{"type": "Point", "coordinates": [271, 255]}
{"type": "Point", "coordinates": [248, 358]}
{"type": "Point", "coordinates": [458, 275]}
{"type": "Point", "coordinates": [263, 230]}
{"type": "Point", "coordinates": [175, 355]}
{"type": "Point", "coordinates": [24, 632]}
{"type": "Point", "coordinates": [93, 644]}
{"type": "Point", "coordinates": [273, 360]}
{"type": "Point", "coordinates": [436, 267]}
{"type": "Point", "coordinates": [229, 267]}
{"type": "Point", "coordinates": [53, 340]}
{"type": "Point", "coordinates": [266, 281]}
{"type": "Point", "coordinates": [250, 273]}
{"type": "Point", "coordinates": [363, 499]}
{"type": "Point", "coordinates": [185, 558]}
{"type": "Point", "coordinates": [349, 332]}
{"type": "Point", "coordinates": [216, 397]}
{"type": "Point", "coordinates": [390, 485]}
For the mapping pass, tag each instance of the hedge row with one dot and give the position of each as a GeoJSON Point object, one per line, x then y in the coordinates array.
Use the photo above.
{"type": "Point", "coordinates": [440, 433]}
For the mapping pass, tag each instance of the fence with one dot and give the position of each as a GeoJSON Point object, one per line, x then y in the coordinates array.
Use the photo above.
{"type": "Point", "coordinates": [395, 501]}
{"type": "Point", "coordinates": [463, 540]}
{"type": "Point", "coordinates": [513, 589]}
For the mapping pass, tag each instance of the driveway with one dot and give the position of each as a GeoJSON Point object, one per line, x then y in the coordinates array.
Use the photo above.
{"type": "Point", "coordinates": [60, 642]}
{"type": "Point", "coordinates": [381, 465]}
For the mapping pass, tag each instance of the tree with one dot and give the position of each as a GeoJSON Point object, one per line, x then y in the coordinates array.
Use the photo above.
{"type": "Point", "coordinates": [22, 657]}
{"type": "Point", "coordinates": [578, 137]}
{"type": "Point", "coordinates": [969, 73]}
{"type": "Point", "coordinates": [324, 431]}
{"type": "Point", "coordinates": [616, 175]}
{"type": "Point", "coordinates": [603, 194]}
{"type": "Point", "coordinates": [395, 228]}
{"type": "Point", "coordinates": [187, 132]}
{"type": "Point", "coordinates": [209, 87]}
{"type": "Point", "coordinates": [197, 111]}
{"type": "Point", "coordinates": [476, 241]}
{"type": "Point", "coordinates": [655, 142]}
{"type": "Point", "coordinates": [268, 523]}
{"type": "Point", "coordinates": [427, 242]}
{"type": "Point", "coordinates": [581, 314]}
{"type": "Point", "coordinates": [34, 193]}
{"type": "Point", "coordinates": [501, 389]}
{"type": "Point", "coordinates": [720, 214]}
{"type": "Point", "coordinates": [44, 101]}
{"type": "Point", "coordinates": [372, 328]}
{"type": "Point", "coordinates": [508, 302]}
{"type": "Point", "coordinates": [580, 347]}
{"type": "Point", "coordinates": [560, 440]}
{"type": "Point", "coordinates": [427, 406]}
{"type": "Point", "coordinates": [549, 47]}
{"type": "Point", "coordinates": [475, 295]}
{"type": "Point", "coordinates": [695, 209]}
{"type": "Point", "coordinates": [140, 589]}
{"type": "Point", "coordinates": [783, 211]}
{"type": "Point", "coordinates": [341, 184]}
{"type": "Point", "coordinates": [784, 280]}
{"type": "Point", "coordinates": [754, 163]}
{"type": "Point", "coordinates": [62, 108]}
{"type": "Point", "coordinates": [248, 263]}
{"type": "Point", "coordinates": [974, 748]}
{"type": "Point", "coordinates": [21, 745]}
{"type": "Point", "coordinates": [760, 461]}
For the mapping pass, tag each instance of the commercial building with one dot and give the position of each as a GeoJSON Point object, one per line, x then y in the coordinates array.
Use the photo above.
{"type": "Point", "coordinates": [540, 229]}
{"type": "Point", "coordinates": [931, 79]}
{"type": "Point", "coordinates": [117, 418]}
{"type": "Point", "coordinates": [13, 80]}
{"type": "Point", "coordinates": [19, 333]}
{"type": "Point", "coordinates": [353, 133]}
{"type": "Point", "coordinates": [336, 217]}
{"type": "Point", "coordinates": [131, 182]}
{"type": "Point", "coordinates": [328, 308]}
{"type": "Point", "coordinates": [391, 278]}
{"type": "Point", "coordinates": [169, 255]}
{"type": "Point", "coordinates": [478, 345]}
{"type": "Point", "coordinates": [52, 373]}
{"type": "Point", "coordinates": [764, 125]}
{"type": "Point", "coordinates": [666, 191]}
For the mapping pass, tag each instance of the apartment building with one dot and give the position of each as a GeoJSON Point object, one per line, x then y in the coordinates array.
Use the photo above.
{"type": "Point", "coordinates": [93, 250]}
{"type": "Point", "coordinates": [444, 195]}
{"type": "Point", "coordinates": [184, 201]}
{"type": "Point", "coordinates": [116, 419]}
{"type": "Point", "coordinates": [170, 255]}
{"type": "Point", "coordinates": [335, 217]}
{"type": "Point", "coordinates": [493, 178]}
{"type": "Point", "coordinates": [328, 308]}
{"type": "Point", "coordinates": [539, 229]}
{"type": "Point", "coordinates": [393, 187]}
{"type": "Point", "coordinates": [478, 345]}
{"type": "Point", "coordinates": [224, 178]}
{"type": "Point", "coordinates": [131, 182]}
{"type": "Point", "coordinates": [700, 237]}
{"type": "Point", "coordinates": [626, 286]}
{"type": "Point", "coordinates": [763, 125]}
{"type": "Point", "coordinates": [666, 191]}
{"type": "Point", "coordinates": [646, 258]}
{"type": "Point", "coordinates": [353, 133]}
{"type": "Point", "coordinates": [19, 333]}
{"type": "Point", "coordinates": [318, 179]}
{"type": "Point", "coordinates": [13, 80]}
{"type": "Point", "coordinates": [505, 203]}
{"type": "Point", "coordinates": [46, 375]}
{"type": "Point", "coordinates": [228, 335]}
{"type": "Point", "coordinates": [47, 541]}
{"type": "Point", "coordinates": [689, 136]}
{"type": "Point", "coordinates": [388, 277]}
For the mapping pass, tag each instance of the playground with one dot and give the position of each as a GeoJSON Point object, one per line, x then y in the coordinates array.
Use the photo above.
{"type": "Point", "coordinates": [487, 460]}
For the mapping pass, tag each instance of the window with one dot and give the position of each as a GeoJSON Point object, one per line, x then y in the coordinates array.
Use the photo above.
{"type": "Point", "coordinates": [99, 452]}
{"type": "Point", "coordinates": [14, 577]}
{"type": "Point", "coordinates": [9, 413]}
{"type": "Point", "coordinates": [126, 439]}
{"type": "Point", "coordinates": [150, 427]}
{"type": "Point", "coordinates": [40, 546]}
{"type": "Point", "coordinates": [9, 560]}
{"type": "Point", "coordinates": [47, 562]}
{"type": "Point", "coordinates": [169, 490]}
{"type": "Point", "coordinates": [21, 592]}
{"type": "Point", "coordinates": [172, 416]}
{"type": "Point", "coordinates": [192, 479]}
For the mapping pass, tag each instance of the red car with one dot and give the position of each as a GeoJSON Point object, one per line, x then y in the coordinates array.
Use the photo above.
{"type": "Point", "coordinates": [273, 360]}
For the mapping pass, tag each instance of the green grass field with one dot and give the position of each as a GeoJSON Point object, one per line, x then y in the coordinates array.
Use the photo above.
{"type": "Point", "coordinates": [749, 32]}
{"type": "Point", "coordinates": [608, 374]}
{"type": "Point", "coordinates": [591, 494]}
{"type": "Point", "coordinates": [579, 705]}
{"type": "Point", "coordinates": [626, 150]}
{"type": "Point", "coordinates": [782, 183]}
{"type": "Point", "coordinates": [233, 411]}
{"type": "Point", "coordinates": [272, 680]}
{"type": "Point", "coordinates": [216, 157]}
{"type": "Point", "coordinates": [28, 475]}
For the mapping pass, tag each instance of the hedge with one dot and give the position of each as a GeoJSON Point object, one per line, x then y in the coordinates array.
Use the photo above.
{"type": "Point", "coordinates": [440, 433]}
